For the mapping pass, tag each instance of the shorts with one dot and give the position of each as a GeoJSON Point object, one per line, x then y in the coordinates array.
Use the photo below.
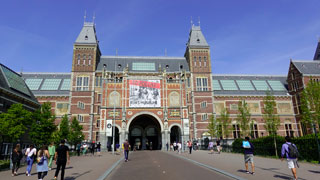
{"type": "Point", "coordinates": [292, 163]}
{"type": "Point", "coordinates": [98, 150]}
{"type": "Point", "coordinates": [248, 158]}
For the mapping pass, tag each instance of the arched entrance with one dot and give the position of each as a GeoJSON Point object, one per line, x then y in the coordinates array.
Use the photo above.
{"type": "Point", "coordinates": [116, 139]}
{"type": "Point", "coordinates": [145, 133]}
{"type": "Point", "coordinates": [175, 134]}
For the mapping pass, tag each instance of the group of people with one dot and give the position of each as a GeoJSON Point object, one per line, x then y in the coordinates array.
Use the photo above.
{"type": "Point", "coordinates": [288, 151]}
{"type": "Point", "coordinates": [211, 146]}
{"type": "Point", "coordinates": [85, 148]}
{"type": "Point", "coordinates": [44, 158]}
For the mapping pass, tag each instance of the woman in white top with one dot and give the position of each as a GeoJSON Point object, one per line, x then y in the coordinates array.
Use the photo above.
{"type": "Point", "coordinates": [30, 153]}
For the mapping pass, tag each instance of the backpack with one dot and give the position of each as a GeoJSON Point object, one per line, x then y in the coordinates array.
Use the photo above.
{"type": "Point", "coordinates": [40, 160]}
{"type": "Point", "coordinates": [293, 151]}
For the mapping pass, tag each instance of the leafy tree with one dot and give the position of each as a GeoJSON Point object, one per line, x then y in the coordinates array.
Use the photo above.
{"type": "Point", "coordinates": [224, 120]}
{"type": "Point", "coordinates": [244, 117]}
{"type": "Point", "coordinates": [272, 120]}
{"type": "Point", "coordinates": [64, 130]}
{"type": "Point", "coordinates": [212, 127]}
{"type": "Point", "coordinates": [43, 125]}
{"type": "Point", "coordinates": [75, 135]}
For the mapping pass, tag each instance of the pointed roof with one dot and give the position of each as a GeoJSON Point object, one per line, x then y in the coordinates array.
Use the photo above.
{"type": "Point", "coordinates": [307, 67]}
{"type": "Point", "coordinates": [87, 34]}
{"type": "Point", "coordinates": [196, 38]}
{"type": "Point", "coordinates": [317, 53]}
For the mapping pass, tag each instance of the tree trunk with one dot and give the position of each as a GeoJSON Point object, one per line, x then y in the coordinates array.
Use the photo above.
{"type": "Point", "coordinates": [275, 145]}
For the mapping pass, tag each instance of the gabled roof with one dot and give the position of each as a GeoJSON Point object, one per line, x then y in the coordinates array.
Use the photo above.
{"type": "Point", "coordinates": [196, 38]}
{"type": "Point", "coordinates": [48, 84]}
{"type": "Point", "coordinates": [143, 63]}
{"type": "Point", "coordinates": [87, 34]}
{"type": "Point", "coordinates": [317, 53]}
{"type": "Point", "coordinates": [13, 83]}
{"type": "Point", "coordinates": [307, 67]}
{"type": "Point", "coordinates": [249, 85]}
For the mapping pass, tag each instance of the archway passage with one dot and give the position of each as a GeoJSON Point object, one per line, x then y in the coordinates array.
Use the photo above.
{"type": "Point", "coordinates": [175, 134]}
{"type": "Point", "coordinates": [145, 133]}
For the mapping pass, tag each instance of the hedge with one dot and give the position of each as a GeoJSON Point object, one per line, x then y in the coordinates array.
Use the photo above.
{"type": "Point", "coordinates": [4, 164]}
{"type": "Point", "coordinates": [264, 146]}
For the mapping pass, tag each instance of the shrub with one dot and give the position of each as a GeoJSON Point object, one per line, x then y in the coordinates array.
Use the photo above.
{"type": "Point", "coordinates": [4, 164]}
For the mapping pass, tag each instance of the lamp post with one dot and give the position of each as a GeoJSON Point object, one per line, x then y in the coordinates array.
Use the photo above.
{"type": "Point", "coordinates": [114, 108]}
{"type": "Point", "coordinates": [104, 84]}
{"type": "Point", "coordinates": [315, 133]}
{"type": "Point", "coordinates": [181, 114]}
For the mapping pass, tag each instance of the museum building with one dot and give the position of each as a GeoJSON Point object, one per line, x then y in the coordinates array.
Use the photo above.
{"type": "Point", "coordinates": [155, 100]}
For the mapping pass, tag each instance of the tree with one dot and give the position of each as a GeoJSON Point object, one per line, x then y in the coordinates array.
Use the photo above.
{"type": "Point", "coordinates": [43, 125]}
{"type": "Point", "coordinates": [212, 127]}
{"type": "Point", "coordinates": [244, 117]}
{"type": "Point", "coordinates": [224, 121]}
{"type": "Point", "coordinates": [75, 135]}
{"type": "Point", "coordinates": [64, 129]}
{"type": "Point", "coordinates": [272, 120]}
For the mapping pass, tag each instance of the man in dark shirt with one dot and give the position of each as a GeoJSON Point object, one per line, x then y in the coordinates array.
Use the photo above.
{"type": "Point", "coordinates": [61, 157]}
{"type": "Point", "coordinates": [248, 154]}
{"type": "Point", "coordinates": [126, 150]}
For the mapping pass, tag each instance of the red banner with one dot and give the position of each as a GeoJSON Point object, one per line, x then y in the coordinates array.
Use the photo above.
{"type": "Point", "coordinates": [145, 84]}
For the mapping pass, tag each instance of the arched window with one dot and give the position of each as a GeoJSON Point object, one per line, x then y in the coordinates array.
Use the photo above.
{"type": "Point", "coordinates": [114, 99]}
{"type": "Point", "coordinates": [174, 99]}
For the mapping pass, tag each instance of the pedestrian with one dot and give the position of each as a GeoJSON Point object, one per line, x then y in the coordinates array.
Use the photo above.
{"type": "Point", "coordinates": [171, 147]}
{"type": "Point", "coordinates": [190, 146]}
{"type": "Point", "coordinates": [84, 149]}
{"type": "Point", "coordinates": [92, 148]}
{"type": "Point", "coordinates": [126, 146]}
{"type": "Point", "coordinates": [16, 158]}
{"type": "Point", "coordinates": [291, 152]}
{"type": "Point", "coordinates": [248, 154]}
{"type": "Point", "coordinates": [179, 147]}
{"type": "Point", "coordinates": [218, 145]}
{"type": "Point", "coordinates": [167, 145]}
{"type": "Point", "coordinates": [30, 153]}
{"type": "Point", "coordinates": [42, 162]}
{"type": "Point", "coordinates": [61, 157]}
{"type": "Point", "coordinates": [78, 148]}
{"type": "Point", "coordinates": [211, 147]}
{"type": "Point", "coordinates": [198, 145]}
{"type": "Point", "coordinates": [52, 151]}
{"type": "Point", "coordinates": [174, 146]}
{"type": "Point", "coordinates": [99, 149]}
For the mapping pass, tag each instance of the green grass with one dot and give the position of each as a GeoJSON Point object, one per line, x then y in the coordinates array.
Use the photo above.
{"type": "Point", "coordinates": [4, 164]}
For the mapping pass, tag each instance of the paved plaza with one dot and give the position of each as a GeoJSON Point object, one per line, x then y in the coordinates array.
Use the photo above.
{"type": "Point", "coordinates": [171, 165]}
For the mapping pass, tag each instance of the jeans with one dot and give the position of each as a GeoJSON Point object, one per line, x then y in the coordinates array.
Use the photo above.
{"type": "Point", "coordinates": [62, 165]}
{"type": "Point", "coordinates": [50, 161]}
{"type": "Point", "coordinates": [126, 154]}
{"type": "Point", "coordinates": [41, 175]}
{"type": "Point", "coordinates": [30, 163]}
{"type": "Point", "coordinates": [15, 166]}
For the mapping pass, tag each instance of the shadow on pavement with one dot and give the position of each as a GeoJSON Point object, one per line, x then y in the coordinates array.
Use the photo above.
{"type": "Point", "coordinates": [75, 177]}
{"type": "Point", "coordinates": [241, 170]}
{"type": "Point", "coordinates": [316, 172]}
{"type": "Point", "coordinates": [282, 177]}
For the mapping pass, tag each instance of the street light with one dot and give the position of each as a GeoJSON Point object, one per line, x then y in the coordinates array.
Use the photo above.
{"type": "Point", "coordinates": [103, 84]}
{"type": "Point", "coordinates": [315, 133]}
{"type": "Point", "coordinates": [114, 107]}
{"type": "Point", "coordinates": [181, 115]}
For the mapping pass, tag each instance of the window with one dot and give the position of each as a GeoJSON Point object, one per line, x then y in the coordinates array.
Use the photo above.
{"type": "Point", "coordinates": [98, 124]}
{"type": "Point", "coordinates": [143, 66]}
{"type": "Point", "coordinates": [236, 131]}
{"type": "Point", "coordinates": [99, 81]}
{"type": "Point", "coordinates": [99, 97]}
{"type": "Point", "coordinates": [234, 107]}
{"type": "Point", "coordinates": [202, 84]}
{"type": "Point", "coordinates": [97, 136]}
{"type": "Point", "coordinates": [51, 84]}
{"type": "Point", "coordinates": [80, 118]}
{"type": "Point", "coordinates": [204, 117]}
{"type": "Point", "coordinates": [195, 61]}
{"type": "Point", "coordinates": [78, 59]}
{"type": "Point", "coordinates": [98, 109]}
{"type": "Point", "coordinates": [289, 131]}
{"type": "Point", "coordinates": [188, 81]}
{"type": "Point", "coordinates": [82, 83]}
{"type": "Point", "coordinates": [89, 59]}
{"type": "Point", "coordinates": [203, 104]}
{"type": "Point", "coordinates": [200, 61]}
{"type": "Point", "coordinates": [81, 105]}
{"type": "Point", "coordinates": [254, 130]}
{"type": "Point", "coordinates": [205, 61]}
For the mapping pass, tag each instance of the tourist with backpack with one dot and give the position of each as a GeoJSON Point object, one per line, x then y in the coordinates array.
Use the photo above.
{"type": "Point", "coordinates": [290, 151]}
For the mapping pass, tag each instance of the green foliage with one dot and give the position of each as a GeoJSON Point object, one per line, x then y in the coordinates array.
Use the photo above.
{"type": "Point", "coordinates": [310, 103]}
{"type": "Point", "coordinates": [212, 127]}
{"type": "Point", "coordinates": [224, 120]}
{"type": "Point", "coordinates": [43, 125]}
{"type": "Point", "coordinates": [4, 164]}
{"type": "Point", "coordinates": [272, 121]}
{"type": "Point", "coordinates": [244, 117]}
{"type": "Point", "coordinates": [64, 130]}
{"type": "Point", "coordinates": [75, 135]}
{"type": "Point", "coordinates": [264, 146]}
{"type": "Point", "coordinates": [14, 123]}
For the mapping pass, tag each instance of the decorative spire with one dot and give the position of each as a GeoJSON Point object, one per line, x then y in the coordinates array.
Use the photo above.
{"type": "Point", "coordinates": [199, 20]}
{"type": "Point", "coordinates": [191, 22]}
{"type": "Point", "coordinates": [85, 16]}
{"type": "Point", "coordinates": [94, 17]}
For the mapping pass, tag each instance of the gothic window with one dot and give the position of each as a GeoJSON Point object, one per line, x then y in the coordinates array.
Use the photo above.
{"type": "Point", "coordinates": [203, 104]}
{"type": "Point", "coordinates": [236, 131]}
{"type": "Point", "coordinates": [78, 59]}
{"type": "Point", "coordinates": [195, 60]}
{"type": "Point", "coordinates": [89, 59]}
{"type": "Point", "coordinates": [84, 59]}
{"type": "Point", "coordinates": [81, 105]}
{"type": "Point", "coordinates": [204, 61]}
{"type": "Point", "coordinates": [114, 99]}
{"type": "Point", "coordinates": [200, 61]}
{"type": "Point", "coordinates": [82, 83]}
{"type": "Point", "coordinates": [202, 84]}
{"type": "Point", "coordinates": [289, 131]}
{"type": "Point", "coordinates": [204, 117]}
{"type": "Point", "coordinates": [254, 130]}
{"type": "Point", "coordinates": [174, 99]}
{"type": "Point", "coordinates": [80, 118]}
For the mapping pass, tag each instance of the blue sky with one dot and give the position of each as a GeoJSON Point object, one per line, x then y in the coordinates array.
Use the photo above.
{"type": "Point", "coordinates": [245, 36]}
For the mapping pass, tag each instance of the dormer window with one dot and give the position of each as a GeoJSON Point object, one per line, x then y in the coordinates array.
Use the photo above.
{"type": "Point", "coordinates": [198, 40]}
{"type": "Point", "coordinates": [86, 37]}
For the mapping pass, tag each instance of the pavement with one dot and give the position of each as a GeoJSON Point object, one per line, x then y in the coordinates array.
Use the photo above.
{"type": "Point", "coordinates": [265, 168]}
{"type": "Point", "coordinates": [81, 168]}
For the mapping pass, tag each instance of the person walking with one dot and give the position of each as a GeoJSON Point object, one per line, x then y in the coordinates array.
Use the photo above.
{"type": "Point", "coordinates": [218, 145]}
{"type": "Point", "coordinates": [42, 162]}
{"type": "Point", "coordinates": [52, 151]}
{"type": "Point", "coordinates": [30, 153]}
{"type": "Point", "coordinates": [99, 149]}
{"type": "Point", "coordinates": [190, 146]}
{"type": "Point", "coordinates": [78, 148]}
{"type": "Point", "coordinates": [248, 154]}
{"type": "Point", "coordinates": [167, 146]}
{"type": "Point", "coordinates": [16, 158]}
{"type": "Point", "coordinates": [174, 146]}
{"type": "Point", "coordinates": [179, 146]}
{"type": "Point", "coordinates": [290, 151]}
{"type": "Point", "coordinates": [61, 157]}
{"type": "Point", "coordinates": [211, 147]}
{"type": "Point", "coordinates": [92, 148]}
{"type": "Point", "coordinates": [126, 146]}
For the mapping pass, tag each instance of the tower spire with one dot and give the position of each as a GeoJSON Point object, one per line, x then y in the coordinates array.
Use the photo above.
{"type": "Point", "coordinates": [199, 20]}
{"type": "Point", "coordinates": [85, 16]}
{"type": "Point", "coordinates": [191, 22]}
{"type": "Point", "coordinates": [94, 17]}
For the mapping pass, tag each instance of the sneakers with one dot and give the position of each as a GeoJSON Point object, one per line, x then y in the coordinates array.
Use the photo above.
{"type": "Point", "coordinates": [247, 172]}
{"type": "Point", "coordinates": [252, 173]}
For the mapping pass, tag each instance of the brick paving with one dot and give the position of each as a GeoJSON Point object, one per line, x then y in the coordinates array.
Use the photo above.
{"type": "Point", "coordinates": [80, 168]}
{"type": "Point", "coordinates": [265, 168]}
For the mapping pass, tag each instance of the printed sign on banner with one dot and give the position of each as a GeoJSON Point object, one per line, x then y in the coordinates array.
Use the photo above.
{"type": "Point", "coordinates": [186, 126]}
{"type": "Point", "coordinates": [109, 128]}
{"type": "Point", "coordinates": [144, 93]}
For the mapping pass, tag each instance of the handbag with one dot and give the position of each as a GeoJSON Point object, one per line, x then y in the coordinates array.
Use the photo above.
{"type": "Point", "coordinates": [40, 160]}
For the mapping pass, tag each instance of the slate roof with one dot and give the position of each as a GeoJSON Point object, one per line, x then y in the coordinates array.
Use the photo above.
{"type": "Point", "coordinates": [87, 34]}
{"type": "Point", "coordinates": [255, 92]}
{"type": "Point", "coordinates": [317, 53]}
{"type": "Point", "coordinates": [5, 85]}
{"type": "Point", "coordinates": [173, 63]}
{"type": "Point", "coordinates": [196, 38]}
{"type": "Point", "coordinates": [42, 77]}
{"type": "Point", "coordinates": [307, 67]}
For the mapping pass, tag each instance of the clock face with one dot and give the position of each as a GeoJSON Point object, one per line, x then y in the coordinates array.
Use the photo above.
{"type": "Point", "coordinates": [109, 125]}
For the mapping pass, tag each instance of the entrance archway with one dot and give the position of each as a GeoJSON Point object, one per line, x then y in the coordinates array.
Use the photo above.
{"type": "Point", "coordinates": [175, 134]}
{"type": "Point", "coordinates": [116, 139]}
{"type": "Point", "coordinates": [145, 133]}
